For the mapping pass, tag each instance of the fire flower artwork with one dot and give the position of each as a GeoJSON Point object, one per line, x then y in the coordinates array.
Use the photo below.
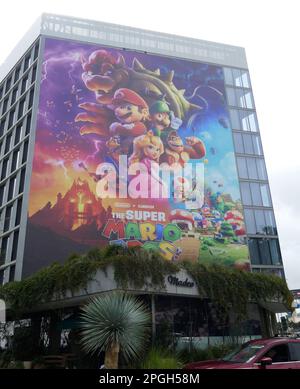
{"type": "Point", "coordinates": [114, 126]}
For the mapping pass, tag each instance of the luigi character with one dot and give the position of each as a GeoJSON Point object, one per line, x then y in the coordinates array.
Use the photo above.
{"type": "Point", "coordinates": [162, 119]}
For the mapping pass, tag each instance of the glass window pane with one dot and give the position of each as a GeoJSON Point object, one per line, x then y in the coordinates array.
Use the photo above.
{"type": "Point", "coordinates": [245, 79]}
{"type": "Point", "coordinates": [228, 76]}
{"type": "Point", "coordinates": [265, 194]}
{"type": "Point", "coordinates": [264, 252]}
{"type": "Point", "coordinates": [270, 223]}
{"type": "Point", "coordinates": [254, 251]}
{"type": "Point", "coordinates": [231, 97]}
{"type": "Point", "coordinates": [250, 221]}
{"type": "Point", "coordinates": [253, 126]}
{"type": "Point", "coordinates": [245, 192]}
{"type": "Point", "coordinates": [240, 98]}
{"type": "Point", "coordinates": [248, 144]}
{"type": "Point", "coordinates": [244, 120]}
{"type": "Point", "coordinates": [238, 143]}
{"type": "Point", "coordinates": [261, 169]}
{"type": "Point", "coordinates": [234, 117]}
{"type": "Point", "coordinates": [257, 145]}
{"type": "Point", "coordinates": [275, 252]}
{"type": "Point", "coordinates": [252, 168]}
{"type": "Point", "coordinates": [248, 99]}
{"type": "Point", "coordinates": [255, 192]}
{"type": "Point", "coordinates": [260, 222]}
{"type": "Point", "coordinates": [237, 78]}
{"type": "Point", "coordinates": [242, 167]}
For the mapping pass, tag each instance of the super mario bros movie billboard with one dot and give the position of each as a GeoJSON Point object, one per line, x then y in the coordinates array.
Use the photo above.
{"type": "Point", "coordinates": [132, 149]}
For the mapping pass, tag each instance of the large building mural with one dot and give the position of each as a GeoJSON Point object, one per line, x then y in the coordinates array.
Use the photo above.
{"type": "Point", "coordinates": [132, 149]}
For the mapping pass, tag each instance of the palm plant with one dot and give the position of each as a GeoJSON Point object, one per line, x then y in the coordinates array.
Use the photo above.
{"type": "Point", "coordinates": [115, 322]}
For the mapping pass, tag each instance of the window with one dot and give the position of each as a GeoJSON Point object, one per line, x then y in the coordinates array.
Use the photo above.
{"type": "Point", "coordinates": [28, 124]}
{"type": "Point", "coordinates": [8, 84]}
{"type": "Point", "coordinates": [18, 212]}
{"type": "Point", "coordinates": [24, 84]}
{"type": "Point", "coordinates": [12, 270]}
{"type": "Point", "coordinates": [14, 95]}
{"type": "Point", "coordinates": [294, 351]}
{"type": "Point", "coordinates": [236, 77]}
{"type": "Point", "coordinates": [240, 78]}
{"type": "Point", "coordinates": [271, 228]}
{"type": "Point", "coordinates": [33, 76]}
{"type": "Point", "coordinates": [248, 144]}
{"type": "Point", "coordinates": [261, 169]}
{"type": "Point", "coordinates": [22, 181]}
{"type": "Point", "coordinates": [17, 73]}
{"type": "Point", "coordinates": [1, 92]}
{"type": "Point", "coordinates": [265, 194]}
{"type": "Point", "coordinates": [15, 160]}
{"type": "Point", "coordinates": [278, 353]}
{"type": "Point", "coordinates": [242, 167]}
{"type": "Point", "coordinates": [231, 97]}
{"type": "Point", "coordinates": [264, 252]}
{"type": "Point", "coordinates": [4, 246]}
{"type": "Point", "coordinates": [238, 142]}
{"type": "Point", "coordinates": [240, 98]}
{"type": "Point", "coordinates": [250, 221]}
{"type": "Point", "coordinates": [7, 143]}
{"type": "Point", "coordinates": [27, 62]}
{"type": "Point", "coordinates": [255, 193]}
{"type": "Point", "coordinates": [1, 275]}
{"type": "Point", "coordinates": [15, 246]}
{"type": "Point", "coordinates": [25, 152]}
{"type": "Point", "coordinates": [245, 191]}
{"type": "Point", "coordinates": [249, 121]}
{"type": "Point", "coordinates": [2, 126]}
{"type": "Point", "coordinates": [260, 222]}
{"type": "Point", "coordinates": [30, 101]}
{"type": "Point", "coordinates": [2, 191]}
{"type": "Point", "coordinates": [254, 251]}
{"type": "Point", "coordinates": [228, 76]}
{"type": "Point", "coordinates": [18, 133]}
{"type": "Point", "coordinates": [11, 188]}
{"type": "Point", "coordinates": [11, 118]}
{"type": "Point", "coordinates": [4, 168]}
{"type": "Point", "coordinates": [234, 118]}
{"type": "Point", "coordinates": [275, 252]}
{"type": "Point", "coordinates": [7, 218]}
{"type": "Point", "coordinates": [5, 104]}
{"type": "Point", "coordinates": [251, 165]}
{"type": "Point", "coordinates": [21, 108]}
{"type": "Point", "coordinates": [36, 51]}
{"type": "Point", "coordinates": [257, 145]}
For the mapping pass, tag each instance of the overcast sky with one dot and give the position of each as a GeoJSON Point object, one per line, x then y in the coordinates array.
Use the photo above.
{"type": "Point", "coordinates": [269, 30]}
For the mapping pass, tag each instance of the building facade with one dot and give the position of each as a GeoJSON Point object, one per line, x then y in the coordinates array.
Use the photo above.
{"type": "Point", "coordinates": [22, 79]}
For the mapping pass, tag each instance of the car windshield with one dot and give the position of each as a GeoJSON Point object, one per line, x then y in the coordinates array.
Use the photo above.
{"type": "Point", "coordinates": [243, 353]}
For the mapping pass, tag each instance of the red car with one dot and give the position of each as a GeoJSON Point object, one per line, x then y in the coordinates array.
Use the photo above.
{"type": "Point", "coordinates": [274, 353]}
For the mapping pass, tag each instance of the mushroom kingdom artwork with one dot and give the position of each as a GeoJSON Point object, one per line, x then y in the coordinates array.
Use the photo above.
{"type": "Point", "coordinates": [133, 149]}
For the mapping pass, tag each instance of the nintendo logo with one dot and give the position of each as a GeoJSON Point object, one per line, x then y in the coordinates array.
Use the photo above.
{"type": "Point", "coordinates": [2, 312]}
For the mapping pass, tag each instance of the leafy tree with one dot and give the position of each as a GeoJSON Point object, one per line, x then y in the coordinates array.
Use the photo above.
{"type": "Point", "coordinates": [112, 323]}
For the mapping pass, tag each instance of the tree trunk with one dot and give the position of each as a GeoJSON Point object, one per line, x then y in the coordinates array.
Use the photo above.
{"type": "Point", "coordinates": [112, 356]}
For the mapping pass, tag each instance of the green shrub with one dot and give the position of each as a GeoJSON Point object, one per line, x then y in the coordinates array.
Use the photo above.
{"type": "Point", "coordinates": [158, 358]}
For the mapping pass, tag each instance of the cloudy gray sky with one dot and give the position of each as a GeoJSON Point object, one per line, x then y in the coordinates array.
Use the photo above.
{"type": "Point", "coordinates": [269, 30]}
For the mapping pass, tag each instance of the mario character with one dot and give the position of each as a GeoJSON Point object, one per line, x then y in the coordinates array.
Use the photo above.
{"type": "Point", "coordinates": [162, 119]}
{"type": "Point", "coordinates": [131, 111]}
{"type": "Point", "coordinates": [177, 152]}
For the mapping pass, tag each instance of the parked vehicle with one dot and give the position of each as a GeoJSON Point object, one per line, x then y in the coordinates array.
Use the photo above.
{"type": "Point", "coordinates": [273, 353]}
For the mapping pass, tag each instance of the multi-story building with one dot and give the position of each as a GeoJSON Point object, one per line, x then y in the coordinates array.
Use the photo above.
{"type": "Point", "coordinates": [21, 77]}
